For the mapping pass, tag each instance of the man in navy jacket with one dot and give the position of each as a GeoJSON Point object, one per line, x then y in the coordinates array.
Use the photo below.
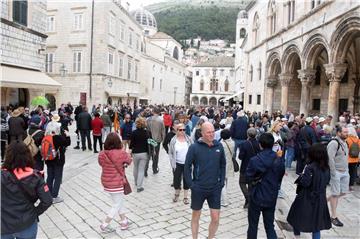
{"type": "Point", "coordinates": [265, 172]}
{"type": "Point", "coordinates": [238, 130]}
{"type": "Point", "coordinates": [206, 159]}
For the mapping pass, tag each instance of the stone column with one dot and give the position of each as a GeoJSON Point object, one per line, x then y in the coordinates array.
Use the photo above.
{"type": "Point", "coordinates": [334, 72]}
{"type": "Point", "coordinates": [306, 77]}
{"type": "Point", "coordinates": [271, 83]}
{"type": "Point", "coordinates": [285, 80]}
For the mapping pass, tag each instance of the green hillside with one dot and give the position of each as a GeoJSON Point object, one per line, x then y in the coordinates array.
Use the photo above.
{"type": "Point", "coordinates": [207, 22]}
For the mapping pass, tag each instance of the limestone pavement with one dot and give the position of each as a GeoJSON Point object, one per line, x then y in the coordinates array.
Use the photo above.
{"type": "Point", "coordinates": [152, 213]}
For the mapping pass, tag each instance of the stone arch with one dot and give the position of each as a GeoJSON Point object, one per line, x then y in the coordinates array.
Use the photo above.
{"type": "Point", "coordinates": [195, 100]}
{"type": "Point", "coordinates": [213, 101]}
{"type": "Point", "coordinates": [271, 64]}
{"type": "Point", "coordinates": [342, 38]}
{"type": "Point", "coordinates": [204, 100]}
{"type": "Point", "coordinates": [312, 48]}
{"type": "Point", "coordinates": [289, 58]}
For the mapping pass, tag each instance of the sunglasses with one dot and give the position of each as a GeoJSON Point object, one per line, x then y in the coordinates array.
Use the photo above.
{"type": "Point", "coordinates": [181, 130]}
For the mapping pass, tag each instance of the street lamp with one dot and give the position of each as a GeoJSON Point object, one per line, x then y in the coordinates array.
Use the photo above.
{"type": "Point", "coordinates": [62, 70]}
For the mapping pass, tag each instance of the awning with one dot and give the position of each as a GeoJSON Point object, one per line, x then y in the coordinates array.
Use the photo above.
{"type": "Point", "coordinates": [23, 78]}
{"type": "Point", "coordinates": [232, 96]}
{"type": "Point", "coordinates": [121, 94]}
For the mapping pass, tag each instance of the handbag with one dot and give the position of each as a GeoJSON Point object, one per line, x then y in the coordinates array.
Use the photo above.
{"type": "Point", "coordinates": [126, 184]}
{"type": "Point", "coordinates": [235, 163]}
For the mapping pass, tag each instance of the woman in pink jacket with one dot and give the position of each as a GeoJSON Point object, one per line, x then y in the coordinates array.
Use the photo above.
{"type": "Point", "coordinates": [113, 160]}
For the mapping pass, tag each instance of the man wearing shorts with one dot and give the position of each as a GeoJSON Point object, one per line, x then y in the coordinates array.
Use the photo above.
{"type": "Point", "coordinates": [339, 174]}
{"type": "Point", "coordinates": [206, 159]}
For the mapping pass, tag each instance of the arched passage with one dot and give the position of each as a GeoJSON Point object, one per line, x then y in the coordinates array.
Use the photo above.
{"type": "Point", "coordinates": [213, 101]}
{"type": "Point", "coordinates": [204, 101]}
{"type": "Point", "coordinates": [273, 69]}
{"type": "Point", "coordinates": [195, 100]}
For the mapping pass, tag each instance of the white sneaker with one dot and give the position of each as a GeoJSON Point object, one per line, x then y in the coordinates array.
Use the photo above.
{"type": "Point", "coordinates": [107, 229]}
{"type": "Point", "coordinates": [57, 200]}
{"type": "Point", "coordinates": [124, 225]}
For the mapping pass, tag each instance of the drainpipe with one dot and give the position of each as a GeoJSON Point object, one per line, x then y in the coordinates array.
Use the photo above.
{"type": "Point", "coordinates": [91, 48]}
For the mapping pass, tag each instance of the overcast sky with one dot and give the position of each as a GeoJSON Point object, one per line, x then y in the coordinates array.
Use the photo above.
{"type": "Point", "coordinates": [134, 4]}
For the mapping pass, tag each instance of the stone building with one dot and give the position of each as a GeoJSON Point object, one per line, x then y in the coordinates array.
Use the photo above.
{"type": "Point", "coordinates": [23, 40]}
{"type": "Point", "coordinates": [100, 45]}
{"type": "Point", "coordinates": [213, 81]}
{"type": "Point", "coordinates": [162, 72]}
{"type": "Point", "coordinates": [300, 56]}
{"type": "Point", "coordinates": [112, 56]}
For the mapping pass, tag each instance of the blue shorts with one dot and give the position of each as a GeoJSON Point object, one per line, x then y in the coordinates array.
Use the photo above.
{"type": "Point", "coordinates": [198, 197]}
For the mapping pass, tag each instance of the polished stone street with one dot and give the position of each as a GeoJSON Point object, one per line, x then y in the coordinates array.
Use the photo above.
{"type": "Point", "coordinates": [153, 214]}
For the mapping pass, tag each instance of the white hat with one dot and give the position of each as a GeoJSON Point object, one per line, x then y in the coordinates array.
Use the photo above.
{"type": "Point", "coordinates": [321, 119]}
{"type": "Point", "coordinates": [316, 117]}
{"type": "Point", "coordinates": [309, 119]}
{"type": "Point", "coordinates": [284, 119]}
{"type": "Point", "coordinates": [352, 121]}
{"type": "Point", "coordinates": [46, 112]}
{"type": "Point", "coordinates": [55, 117]}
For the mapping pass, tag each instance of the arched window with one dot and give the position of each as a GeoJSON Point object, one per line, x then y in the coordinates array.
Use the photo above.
{"type": "Point", "coordinates": [226, 88]}
{"type": "Point", "coordinates": [255, 28]}
{"type": "Point", "coordinates": [242, 33]}
{"type": "Point", "coordinates": [272, 17]}
{"type": "Point", "coordinates": [202, 85]}
{"type": "Point", "coordinates": [251, 73]}
{"type": "Point", "coordinates": [176, 53]}
{"type": "Point", "coordinates": [290, 5]}
{"type": "Point", "coordinates": [259, 69]}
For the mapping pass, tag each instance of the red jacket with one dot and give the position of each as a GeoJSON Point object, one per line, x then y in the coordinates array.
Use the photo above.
{"type": "Point", "coordinates": [96, 126]}
{"type": "Point", "coordinates": [112, 175]}
{"type": "Point", "coordinates": [167, 120]}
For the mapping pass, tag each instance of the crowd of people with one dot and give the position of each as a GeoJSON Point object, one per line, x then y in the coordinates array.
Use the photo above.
{"type": "Point", "coordinates": [205, 147]}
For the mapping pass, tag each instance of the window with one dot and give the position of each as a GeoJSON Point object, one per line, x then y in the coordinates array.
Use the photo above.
{"type": "Point", "coordinates": [259, 69]}
{"type": "Point", "coordinates": [160, 84]}
{"type": "Point", "coordinates": [251, 73]}
{"type": "Point", "coordinates": [256, 26]}
{"type": "Point", "coordinates": [20, 11]}
{"type": "Point", "coordinates": [49, 60]}
{"type": "Point", "coordinates": [312, 4]}
{"type": "Point", "coordinates": [226, 86]}
{"type": "Point", "coordinates": [130, 38]}
{"type": "Point", "coordinates": [129, 69]}
{"type": "Point", "coordinates": [50, 26]}
{"type": "Point", "coordinates": [316, 104]}
{"type": "Point", "coordinates": [78, 21]}
{"type": "Point", "coordinates": [77, 58]}
{"type": "Point", "coordinates": [176, 53]}
{"type": "Point", "coordinates": [197, 73]}
{"type": "Point", "coordinates": [121, 65]}
{"type": "Point", "coordinates": [110, 63]}
{"type": "Point", "coordinates": [242, 33]}
{"type": "Point", "coordinates": [291, 10]}
{"type": "Point", "coordinates": [153, 82]}
{"type": "Point", "coordinates": [258, 99]}
{"type": "Point", "coordinates": [202, 85]}
{"type": "Point", "coordinates": [137, 43]}
{"type": "Point", "coordinates": [250, 99]}
{"type": "Point", "coordinates": [318, 75]}
{"type": "Point", "coordinates": [122, 32]}
{"type": "Point", "coordinates": [136, 71]}
{"type": "Point", "coordinates": [112, 25]}
{"type": "Point", "coordinates": [272, 16]}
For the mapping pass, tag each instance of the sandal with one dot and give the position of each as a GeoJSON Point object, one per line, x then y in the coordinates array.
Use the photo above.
{"type": "Point", "coordinates": [176, 198]}
{"type": "Point", "coordinates": [186, 201]}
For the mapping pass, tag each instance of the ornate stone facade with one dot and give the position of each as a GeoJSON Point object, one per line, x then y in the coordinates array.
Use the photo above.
{"type": "Point", "coordinates": [312, 51]}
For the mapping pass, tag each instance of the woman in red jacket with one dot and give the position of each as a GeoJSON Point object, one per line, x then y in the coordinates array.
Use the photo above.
{"type": "Point", "coordinates": [113, 160]}
{"type": "Point", "coordinates": [97, 125]}
{"type": "Point", "coordinates": [167, 121]}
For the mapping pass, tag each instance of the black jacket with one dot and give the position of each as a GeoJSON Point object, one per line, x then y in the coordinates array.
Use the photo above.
{"type": "Point", "coordinates": [138, 141]}
{"type": "Point", "coordinates": [18, 212]}
{"type": "Point", "coordinates": [84, 121]}
{"type": "Point", "coordinates": [167, 140]}
{"type": "Point", "coordinates": [248, 149]}
{"type": "Point", "coordinates": [309, 212]}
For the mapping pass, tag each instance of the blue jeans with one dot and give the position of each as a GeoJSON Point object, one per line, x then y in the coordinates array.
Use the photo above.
{"type": "Point", "coordinates": [289, 156]}
{"type": "Point", "coordinates": [237, 143]}
{"type": "Point", "coordinates": [253, 219]}
{"type": "Point", "coordinates": [54, 178]}
{"type": "Point", "coordinates": [315, 235]}
{"type": "Point", "coordinates": [28, 233]}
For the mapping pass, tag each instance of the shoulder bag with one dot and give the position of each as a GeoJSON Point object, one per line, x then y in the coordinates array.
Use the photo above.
{"type": "Point", "coordinates": [126, 184]}
{"type": "Point", "coordinates": [236, 164]}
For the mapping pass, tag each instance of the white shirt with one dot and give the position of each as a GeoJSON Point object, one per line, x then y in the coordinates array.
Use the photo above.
{"type": "Point", "coordinates": [181, 149]}
{"type": "Point", "coordinates": [277, 138]}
